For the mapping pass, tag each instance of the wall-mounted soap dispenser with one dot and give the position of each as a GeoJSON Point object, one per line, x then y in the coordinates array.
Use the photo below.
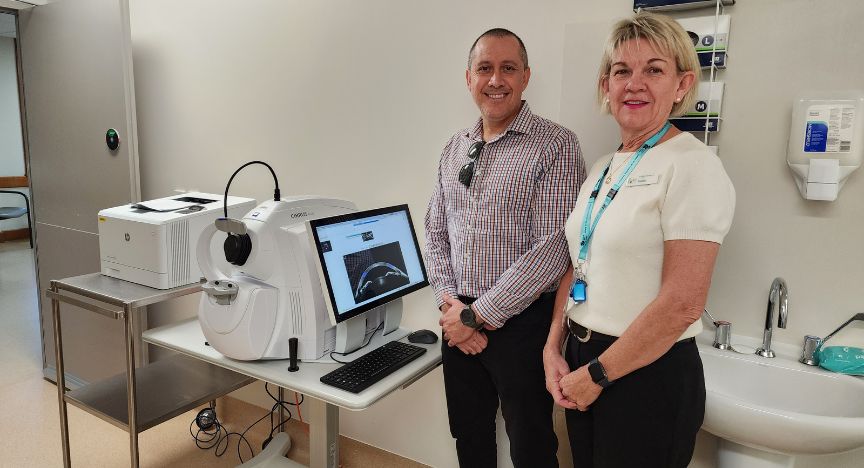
{"type": "Point", "coordinates": [826, 142]}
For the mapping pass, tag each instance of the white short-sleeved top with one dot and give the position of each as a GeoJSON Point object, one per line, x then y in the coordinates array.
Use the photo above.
{"type": "Point", "coordinates": [679, 190]}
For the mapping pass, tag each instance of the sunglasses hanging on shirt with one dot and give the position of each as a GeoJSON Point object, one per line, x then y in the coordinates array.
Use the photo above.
{"type": "Point", "coordinates": [467, 171]}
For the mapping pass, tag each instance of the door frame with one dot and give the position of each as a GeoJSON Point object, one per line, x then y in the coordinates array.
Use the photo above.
{"type": "Point", "coordinates": [25, 180]}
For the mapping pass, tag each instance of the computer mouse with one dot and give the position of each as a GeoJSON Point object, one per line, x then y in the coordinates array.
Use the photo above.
{"type": "Point", "coordinates": [423, 336]}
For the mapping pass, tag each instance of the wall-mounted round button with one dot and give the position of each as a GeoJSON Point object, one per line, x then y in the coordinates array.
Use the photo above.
{"type": "Point", "coordinates": [112, 139]}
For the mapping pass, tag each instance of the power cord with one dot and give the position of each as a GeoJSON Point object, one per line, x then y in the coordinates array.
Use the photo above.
{"type": "Point", "coordinates": [277, 403]}
{"type": "Point", "coordinates": [212, 433]}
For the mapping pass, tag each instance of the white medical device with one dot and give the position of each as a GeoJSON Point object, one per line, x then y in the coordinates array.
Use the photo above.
{"type": "Point", "coordinates": [152, 242]}
{"type": "Point", "coordinates": [251, 311]}
{"type": "Point", "coordinates": [826, 142]}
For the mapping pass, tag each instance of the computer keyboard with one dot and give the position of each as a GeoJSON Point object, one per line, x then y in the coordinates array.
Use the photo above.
{"type": "Point", "coordinates": [360, 374]}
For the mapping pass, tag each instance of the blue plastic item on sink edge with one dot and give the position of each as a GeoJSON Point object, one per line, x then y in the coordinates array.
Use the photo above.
{"type": "Point", "coordinates": [842, 359]}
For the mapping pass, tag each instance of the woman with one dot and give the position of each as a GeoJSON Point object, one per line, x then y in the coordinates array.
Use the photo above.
{"type": "Point", "coordinates": [643, 239]}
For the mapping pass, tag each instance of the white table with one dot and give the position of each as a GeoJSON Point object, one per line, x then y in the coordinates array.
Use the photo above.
{"type": "Point", "coordinates": [187, 338]}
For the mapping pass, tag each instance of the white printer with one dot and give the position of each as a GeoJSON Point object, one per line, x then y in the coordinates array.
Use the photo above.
{"type": "Point", "coordinates": [153, 242]}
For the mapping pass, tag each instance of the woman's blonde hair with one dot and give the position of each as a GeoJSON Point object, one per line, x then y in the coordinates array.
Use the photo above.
{"type": "Point", "coordinates": [665, 35]}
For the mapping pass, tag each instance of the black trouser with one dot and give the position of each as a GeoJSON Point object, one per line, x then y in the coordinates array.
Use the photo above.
{"type": "Point", "coordinates": [648, 418]}
{"type": "Point", "coordinates": [510, 369]}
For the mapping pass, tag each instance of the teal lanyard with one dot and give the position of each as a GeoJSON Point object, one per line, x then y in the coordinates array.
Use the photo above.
{"type": "Point", "coordinates": [588, 225]}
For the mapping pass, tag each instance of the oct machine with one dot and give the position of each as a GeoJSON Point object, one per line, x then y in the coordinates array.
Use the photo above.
{"type": "Point", "coordinates": [309, 270]}
{"type": "Point", "coordinates": [272, 292]}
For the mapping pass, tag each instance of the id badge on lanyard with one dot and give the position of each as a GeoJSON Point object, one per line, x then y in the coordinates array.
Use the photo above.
{"type": "Point", "coordinates": [579, 288]}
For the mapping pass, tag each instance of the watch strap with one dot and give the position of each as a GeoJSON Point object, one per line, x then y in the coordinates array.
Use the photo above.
{"type": "Point", "coordinates": [598, 373]}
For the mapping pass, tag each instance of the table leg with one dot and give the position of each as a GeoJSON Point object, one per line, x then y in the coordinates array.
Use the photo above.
{"type": "Point", "coordinates": [61, 378]}
{"type": "Point", "coordinates": [132, 407]}
{"type": "Point", "coordinates": [323, 434]}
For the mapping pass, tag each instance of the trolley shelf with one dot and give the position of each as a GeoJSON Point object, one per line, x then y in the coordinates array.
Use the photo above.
{"type": "Point", "coordinates": [166, 388]}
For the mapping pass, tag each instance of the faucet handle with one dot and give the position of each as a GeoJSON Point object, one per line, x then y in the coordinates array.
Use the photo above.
{"type": "Point", "coordinates": [808, 354]}
{"type": "Point", "coordinates": [722, 335]}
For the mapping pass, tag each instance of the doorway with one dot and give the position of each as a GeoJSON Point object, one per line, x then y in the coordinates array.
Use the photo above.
{"type": "Point", "coordinates": [20, 333]}
{"type": "Point", "coordinates": [13, 166]}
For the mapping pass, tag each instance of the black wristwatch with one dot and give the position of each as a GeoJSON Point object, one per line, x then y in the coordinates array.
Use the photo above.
{"type": "Point", "coordinates": [598, 374]}
{"type": "Point", "coordinates": [469, 318]}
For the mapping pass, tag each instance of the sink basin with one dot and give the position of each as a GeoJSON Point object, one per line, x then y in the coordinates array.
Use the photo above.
{"type": "Point", "coordinates": [780, 405]}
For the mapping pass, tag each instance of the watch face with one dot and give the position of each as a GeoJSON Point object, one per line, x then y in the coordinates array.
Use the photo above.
{"type": "Point", "coordinates": [596, 371]}
{"type": "Point", "coordinates": [467, 317]}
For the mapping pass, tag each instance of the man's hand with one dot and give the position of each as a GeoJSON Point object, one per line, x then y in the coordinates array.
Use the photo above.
{"type": "Point", "coordinates": [475, 344]}
{"type": "Point", "coordinates": [451, 323]}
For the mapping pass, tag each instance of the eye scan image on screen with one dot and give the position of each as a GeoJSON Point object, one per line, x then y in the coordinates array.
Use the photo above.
{"type": "Point", "coordinates": [376, 271]}
{"type": "Point", "coordinates": [368, 258]}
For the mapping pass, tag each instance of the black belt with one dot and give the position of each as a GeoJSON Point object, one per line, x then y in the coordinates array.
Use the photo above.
{"type": "Point", "coordinates": [585, 334]}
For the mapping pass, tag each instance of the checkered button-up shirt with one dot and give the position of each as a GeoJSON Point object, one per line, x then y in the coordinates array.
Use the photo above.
{"type": "Point", "coordinates": [501, 240]}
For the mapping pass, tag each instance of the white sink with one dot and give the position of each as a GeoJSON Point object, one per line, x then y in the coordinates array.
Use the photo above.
{"type": "Point", "coordinates": [780, 405]}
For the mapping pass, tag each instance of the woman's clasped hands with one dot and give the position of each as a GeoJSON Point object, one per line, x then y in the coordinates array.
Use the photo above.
{"type": "Point", "coordinates": [571, 390]}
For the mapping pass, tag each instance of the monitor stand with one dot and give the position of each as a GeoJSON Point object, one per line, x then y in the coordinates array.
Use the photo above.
{"type": "Point", "coordinates": [391, 314]}
{"type": "Point", "coordinates": [351, 333]}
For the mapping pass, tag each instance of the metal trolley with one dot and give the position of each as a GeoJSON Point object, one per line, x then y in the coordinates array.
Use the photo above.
{"type": "Point", "coordinates": [168, 387]}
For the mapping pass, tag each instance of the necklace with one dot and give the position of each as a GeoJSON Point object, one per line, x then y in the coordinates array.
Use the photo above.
{"type": "Point", "coordinates": [608, 178]}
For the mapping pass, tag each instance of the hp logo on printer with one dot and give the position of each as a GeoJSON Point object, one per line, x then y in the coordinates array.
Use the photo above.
{"type": "Point", "coordinates": [301, 214]}
{"type": "Point", "coordinates": [127, 237]}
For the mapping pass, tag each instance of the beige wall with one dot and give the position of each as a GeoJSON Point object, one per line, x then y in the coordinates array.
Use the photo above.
{"type": "Point", "coordinates": [356, 99]}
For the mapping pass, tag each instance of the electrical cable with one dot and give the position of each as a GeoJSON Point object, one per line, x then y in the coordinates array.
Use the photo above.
{"type": "Point", "coordinates": [218, 436]}
{"type": "Point", "coordinates": [276, 193]}
{"type": "Point", "coordinates": [297, 404]}
{"type": "Point", "coordinates": [380, 326]}
{"type": "Point", "coordinates": [277, 403]}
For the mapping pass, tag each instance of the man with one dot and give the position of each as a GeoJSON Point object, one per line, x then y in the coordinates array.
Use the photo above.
{"type": "Point", "coordinates": [496, 248]}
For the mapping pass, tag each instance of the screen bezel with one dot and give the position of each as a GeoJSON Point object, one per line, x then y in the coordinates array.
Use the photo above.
{"type": "Point", "coordinates": [324, 274]}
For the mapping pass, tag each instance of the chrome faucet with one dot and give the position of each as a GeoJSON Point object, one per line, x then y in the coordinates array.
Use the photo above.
{"type": "Point", "coordinates": [812, 344]}
{"type": "Point", "coordinates": [777, 294]}
{"type": "Point", "coordinates": [722, 332]}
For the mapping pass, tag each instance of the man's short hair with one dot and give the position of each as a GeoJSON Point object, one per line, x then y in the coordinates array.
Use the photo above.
{"type": "Point", "coordinates": [500, 32]}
